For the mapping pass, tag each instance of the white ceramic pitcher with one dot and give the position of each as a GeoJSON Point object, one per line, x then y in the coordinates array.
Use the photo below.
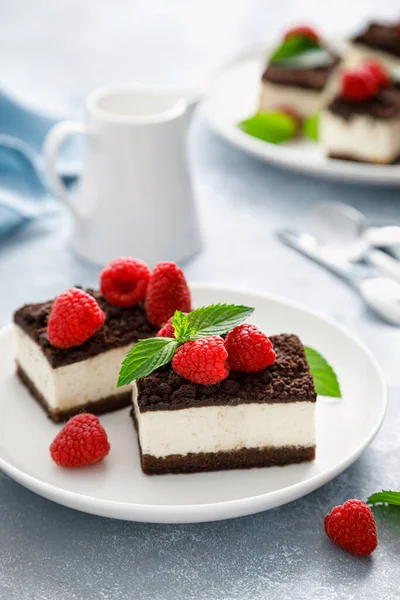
{"type": "Point", "coordinates": [135, 197]}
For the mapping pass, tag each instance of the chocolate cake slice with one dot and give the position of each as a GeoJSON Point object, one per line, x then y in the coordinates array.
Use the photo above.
{"type": "Point", "coordinates": [248, 420]}
{"type": "Point", "coordinates": [82, 378]}
{"type": "Point", "coordinates": [378, 41]}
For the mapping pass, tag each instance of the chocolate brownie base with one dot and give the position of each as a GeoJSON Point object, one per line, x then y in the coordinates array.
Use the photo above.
{"type": "Point", "coordinates": [354, 159]}
{"type": "Point", "coordinates": [123, 326]}
{"type": "Point", "coordinates": [99, 407]}
{"type": "Point", "coordinates": [288, 379]}
{"type": "Point", "coordinates": [385, 105]}
{"type": "Point", "coordinates": [245, 458]}
{"type": "Point", "coordinates": [310, 79]}
{"type": "Point", "coordinates": [380, 37]}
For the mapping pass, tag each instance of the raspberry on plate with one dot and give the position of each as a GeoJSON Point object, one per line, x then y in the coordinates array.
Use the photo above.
{"type": "Point", "coordinates": [167, 292]}
{"type": "Point", "coordinates": [124, 281]}
{"type": "Point", "coordinates": [358, 85]}
{"type": "Point", "coordinates": [203, 361]}
{"type": "Point", "coordinates": [352, 526]}
{"type": "Point", "coordinates": [74, 318]}
{"type": "Point", "coordinates": [82, 441]}
{"type": "Point", "coordinates": [249, 349]}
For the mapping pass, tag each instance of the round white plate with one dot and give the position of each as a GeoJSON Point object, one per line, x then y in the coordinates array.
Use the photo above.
{"type": "Point", "coordinates": [232, 95]}
{"type": "Point", "coordinates": [117, 488]}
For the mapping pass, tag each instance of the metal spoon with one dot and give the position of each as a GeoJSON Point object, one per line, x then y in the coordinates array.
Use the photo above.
{"type": "Point", "coordinates": [346, 232]}
{"type": "Point", "coordinates": [381, 294]}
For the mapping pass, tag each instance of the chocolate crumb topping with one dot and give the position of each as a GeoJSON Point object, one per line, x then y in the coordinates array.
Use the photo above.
{"type": "Point", "coordinates": [313, 79]}
{"type": "Point", "coordinates": [122, 326]}
{"type": "Point", "coordinates": [385, 105]}
{"type": "Point", "coordinates": [288, 379]}
{"type": "Point", "coordinates": [382, 37]}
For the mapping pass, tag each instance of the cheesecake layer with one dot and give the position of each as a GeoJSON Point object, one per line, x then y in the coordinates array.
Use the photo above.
{"type": "Point", "coordinates": [73, 385]}
{"type": "Point", "coordinates": [214, 429]}
{"type": "Point", "coordinates": [304, 101]}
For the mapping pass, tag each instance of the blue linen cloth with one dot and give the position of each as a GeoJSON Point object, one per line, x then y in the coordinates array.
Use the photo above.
{"type": "Point", "coordinates": [24, 192]}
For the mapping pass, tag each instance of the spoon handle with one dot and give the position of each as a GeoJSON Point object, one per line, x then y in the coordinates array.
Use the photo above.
{"type": "Point", "coordinates": [384, 262]}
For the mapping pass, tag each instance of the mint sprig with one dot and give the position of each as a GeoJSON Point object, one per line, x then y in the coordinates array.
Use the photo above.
{"type": "Point", "coordinates": [217, 318]}
{"type": "Point", "coordinates": [145, 357]}
{"type": "Point", "coordinates": [148, 355]}
{"type": "Point", "coordinates": [385, 497]}
{"type": "Point", "coordinates": [311, 127]}
{"type": "Point", "coordinates": [293, 46]}
{"type": "Point", "coordinates": [325, 380]}
{"type": "Point", "coordinates": [274, 127]}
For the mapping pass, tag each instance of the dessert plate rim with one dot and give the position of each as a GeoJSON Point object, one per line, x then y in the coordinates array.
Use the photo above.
{"type": "Point", "coordinates": [295, 158]}
{"type": "Point", "coordinates": [202, 512]}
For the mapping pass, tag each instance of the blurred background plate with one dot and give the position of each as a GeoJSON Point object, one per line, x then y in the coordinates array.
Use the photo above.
{"type": "Point", "coordinates": [233, 96]}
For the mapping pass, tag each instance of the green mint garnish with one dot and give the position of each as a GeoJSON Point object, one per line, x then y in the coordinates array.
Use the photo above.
{"type": "Point", "coordinates": [385, 497]}
{"type": "Point", "coordinates": [313, 58]}
{"type": "Point", "coordinates": [310, 127]}
{"type": "Point", "coordinates": [148, 355]}
{"type": "Point", "coordinates": [293, 46]}
{"type": "Point", "coordinates": [272, 127]}
{"type": "Point", "coordinates": [145, 357]}
{"type": "Point", "coordinates": [218, 318]}
{"type": "Point", "coordinates": [325, 380]}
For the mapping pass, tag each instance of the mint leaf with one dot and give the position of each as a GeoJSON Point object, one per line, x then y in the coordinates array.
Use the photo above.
{"type": "Point", "coordinates": [145, 357]}
{"type": "Point", "coordinates": [272, 127]}
{"type": "Point", "coordinates": [183, 330]}
{"type": "Point", "coordinates": [217, 318]}
{"type": "Point", "coordinates": [310, 127]}
{"type": "Point", "coordinates": [385, 497]}
{"type": "Point", "coordinates": [325, 380]}
{"type": "Point", "coordinates": [293, 46]}
{"type": "Point", "coordinates": [312, 58]}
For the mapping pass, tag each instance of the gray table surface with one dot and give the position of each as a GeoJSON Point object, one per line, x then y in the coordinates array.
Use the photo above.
{"type": "Point", "coordinates": [52, 54]}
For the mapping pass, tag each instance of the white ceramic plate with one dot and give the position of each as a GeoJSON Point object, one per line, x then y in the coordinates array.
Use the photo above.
{"type": "Point", "coordinates": [233, 96]}
{"type": "Point", "coordinates": [117, 488]}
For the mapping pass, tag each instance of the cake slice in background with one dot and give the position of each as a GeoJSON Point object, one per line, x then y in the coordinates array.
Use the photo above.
{"type": "Point", "coordinates": [297, 73]}
{"type": "Point", "coordinates": [378, 41]}
{"type": "Point", "coordinates": [362, 123]}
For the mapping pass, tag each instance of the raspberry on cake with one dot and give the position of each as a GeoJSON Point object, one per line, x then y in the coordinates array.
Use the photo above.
{"type": "Point", "coordinates": [198, 414]}
{"type": "Point", "coordinates": [378, 41]}
{"type": "Point", "coordinates": [297, 73]}
{"type": "Point", "coordinates": [362, 122]}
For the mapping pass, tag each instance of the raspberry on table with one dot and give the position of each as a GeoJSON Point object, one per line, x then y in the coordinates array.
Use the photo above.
{"type": "Point", "coordinates": [74, 318]}
{"type": "Point", "coordinates": [82, 441]}
{"type": "Point", "coordinates": [167, 292]}
{"type": "Point", "coordinates": [352, 526]}
{"type": "Point", "coordinates": [249, 349]}
{"type": "Point", "coordinates": [359, 85]}
{"type": "Point", "coordinates": [302, 31]}
{"type": "Point", "coordinates": [124, 281]}
{"type": "Point", "coordinates": [203, 361]}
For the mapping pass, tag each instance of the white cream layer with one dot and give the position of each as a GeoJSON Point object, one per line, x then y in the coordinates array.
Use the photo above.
{"type": "Point", "coordinates": [225, 428]}
{"type": "Point", "coordinates": [357, 54]}
{"type": "Point", "coordinates": [362, 137]}
{"type": "Point", "coordinates": [73, 385]}
{"type": "Point", "coordinates": [305, 101]}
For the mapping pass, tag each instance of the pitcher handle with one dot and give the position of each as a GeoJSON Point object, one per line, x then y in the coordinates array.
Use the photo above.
{"type": "Point", "coordinates": [52, 144]}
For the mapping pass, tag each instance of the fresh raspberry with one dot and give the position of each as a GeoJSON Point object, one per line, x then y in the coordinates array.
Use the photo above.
{"type": "Point", "coordinates": [291, 112]}
{"type": "Point", "coordinates": [378, 72]}
{"type": "Point", "coordinates": [249, 349]}
{"type": "Point", "coordinates": [75, 316]}
{"type": "Point", "coordinates": [167, 292]}
{"type": "Point", "coordinates": [352, 526]}
{"type": "Point", "coordinates": [202, 361]}
{"type": "Point", "coordinates": [82, 441]}
{"type": "Point", "coordinates": [302, 31]}
{"type": "Point", "coordinates": [167, 330]}
{"type": "Point", "coordinates": [358, 85]}
{"type": "Point", "coordinates": [124, 281]}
